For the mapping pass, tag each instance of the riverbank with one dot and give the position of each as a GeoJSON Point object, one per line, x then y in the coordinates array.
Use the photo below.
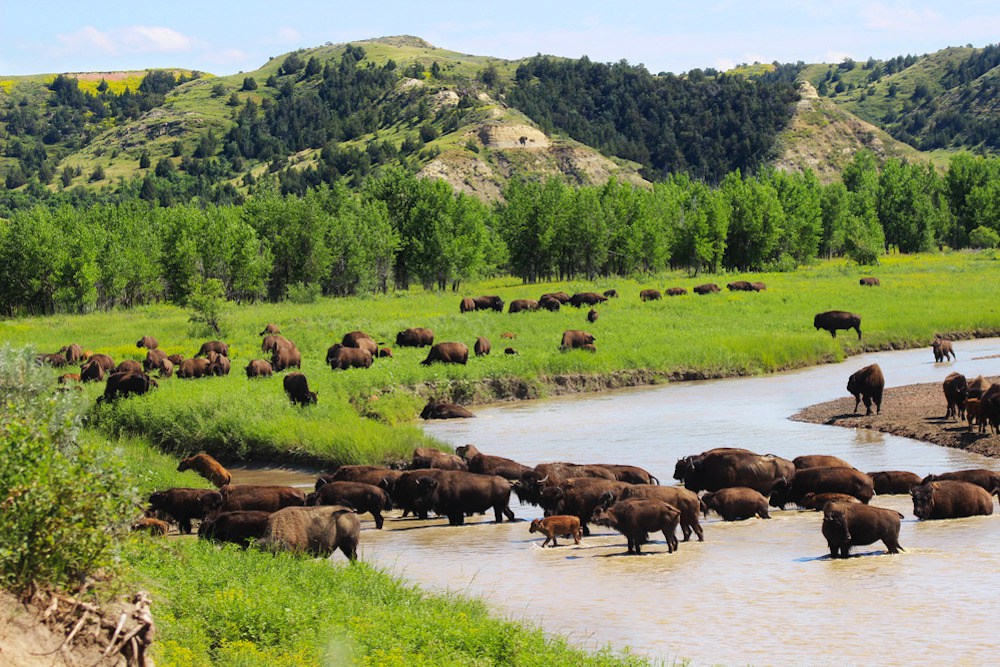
{"type": "Point", "coordinates": [913, 411]}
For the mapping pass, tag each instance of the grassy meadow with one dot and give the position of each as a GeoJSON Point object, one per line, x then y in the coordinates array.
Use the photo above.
{"type": "Point", "coordinates": [369, 415]}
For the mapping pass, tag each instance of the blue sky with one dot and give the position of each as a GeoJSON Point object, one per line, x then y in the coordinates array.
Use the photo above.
{"type": "Point", "coordinates": [224, 38]}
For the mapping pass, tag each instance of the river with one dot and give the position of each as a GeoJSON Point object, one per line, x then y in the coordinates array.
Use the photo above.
{"type": "Point", "coordinates": [754, 592]}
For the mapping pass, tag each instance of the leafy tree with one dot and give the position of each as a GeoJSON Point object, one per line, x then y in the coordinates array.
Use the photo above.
{"type": "Point", "coordinates": [291, 65]}
{"type": "Point", "coordinates": [97, 174]}
{"type": "Point", "coordinates": [249, 84]}
{"type": "Point", "coordinates": [219, 89]}
{"type": "Point", "coordinates": [206, 301]}
{"type": "Point", "coordinates": [234, 100]}
{"type": "Point", "coordinates": [165, 167]}
{"type": "Point", "coordinates": [984, 237]}
{"type": "Point", "coordinates": [144, 160]}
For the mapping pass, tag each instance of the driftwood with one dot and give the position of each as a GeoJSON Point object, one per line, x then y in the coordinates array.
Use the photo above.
{"type": "Point", "coordinates": [128, 637]}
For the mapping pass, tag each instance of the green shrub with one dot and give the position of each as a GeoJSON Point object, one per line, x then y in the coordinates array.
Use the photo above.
{"type": "Point", "coordinates": [303, 292]}
{"type": "Point", "coordinates": [984, 237]}
{"type": "Point", "coordinates": [61, 497]}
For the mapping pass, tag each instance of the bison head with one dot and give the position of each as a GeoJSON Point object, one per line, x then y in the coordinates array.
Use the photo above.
{"type": "Point", "coordinates": [923, 500]}
{"type": "Point", "coordinates": [706, 503]}
{"type": "Point", "coordinates": [211, 502]}
{"type": "Point", "coordinates": [552, 499]}
{"type": "Point", "coordinates": [604, 516]}
{"type": "Point", "coordinates": [536, 526]}
{"type": "Point", "coordinates": [780, 493]}
{"type": "Point", "coordinates": [835, 520]}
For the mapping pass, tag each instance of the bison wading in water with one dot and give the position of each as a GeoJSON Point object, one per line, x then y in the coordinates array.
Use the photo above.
{"type": "Point", "coordinates": [435, 410]}
{"type": "Point", "coordinates": [987, 479]}
{"type": "Point", "coordinates": [358, 495]}
{"type": "Point", "coordinates": [950, 500]}
{"type": "Point", "coordinates": [455, 493]}
{"type": "Point", "coordinates": [686, 501]}
{"type": "Point", "coordinates": [314, 530]}
{"type": "Point", "coordinates": [233, 497]}
{"type": "Point", "coordinates": [637, 517]}
{"type": "Point", "coordinates": [552, 526]}
{"type": "Point", "coordinates": [894, 482]}
{"type": "Point", "coordinates": [736, 504]}
{"type": "Point", "coordinates": [724, 468]}
{"type": "Point", "coordinates": [822, 480]}
{"type": "Point", "coordinates": [447, 353]}
{"type": "Point", "coordinates": [846, 525]}
{"type": "Point", "coordinates": [942, 350]}
{"type": "Point", "coordinates": [832, 320]}
{"type": "Point", "coordinates": [486, 464]}
{"type": "Point", "coordinates": [867, 385]}
{"type": "Point", "coordinates": [578, 496]}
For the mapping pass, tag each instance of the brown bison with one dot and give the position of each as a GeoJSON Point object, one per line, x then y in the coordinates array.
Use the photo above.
{"type": "Point", "coordinates": [611, 293]}
{"type": "Point", "coordinates": [233, 497]}
{"type": "Point", "coordinates": [207, 467]}
{"type": "Point", "coordinates": [482, 346]}
{"type": "Point", "coordinates": [894, 482]}
{"type": "Point", "coordinates": [832, 320]}
{"type": "Point", "coordinates": [578, 496]}
{"type": "Point", "coordinates": [943, 350]}
{"type": "Point", "coordinates": [156, 527]}
{"type": "Point", "coordinates": [180, 504]}
{"type": "Point", "coordinates": [125, 385]}
{"type": "Point", "coordinates": [822, 480]}
{"type": "Point", "coordinates": [415, 337]}
{"type": "Point", "coordinates": [724, 468]}
{"type": "Point", "coordinates": [867, 385]}
{"type": "Point", "coordinates": [550, 304]}
{"type": "Point", "coordinates": [975, 414]}
{"type": "Point", "coordinates": [453, 493]}
{"type": "Point", "coordinates": [91, 372]}
{"type": "Point", "coordinates": [166, 368]}
{"type": "Point", "coordinates": [529, 488]}
{"type": "Point", "coordinates": [128, 366]}
{"type": "Point", "coordinates": [318, 531]}
{"type": "Point", "coordinates": [574, 338]}
{"type": "Point", "coordinates": [819, 461]}
{"type": "Point", "coordinates": [817, 501]}
{"type": "Point", "coordinates": [106, 363]}
{"type": "Point", "coordinates": [222, 365]}
{"type": "Point", "coordinates": [285, 357]}
{"type": "Point", "coordinates": [147, 342]}
{"type": "Point", "coordinates": [447, 353]}
{"type": "Point", "coordinates": [592, 316]}
{"type": "Point", "coordinates": [519, 305]}
{"type": "Point", "coordinates": [273, 342]}
{"type": "Point", "coordinates": [467, 305]}
{"type": "Point", "coordinates": [374, 475]}
{"type": "Point", "coordinates": [359, 496]}
{"type": "Point", "coordinates": [637, 517]}
{"type": "Point", "coordinates": [259, 368]}
{"type": "Point", "coordinates": [551, 526]}
{"type": "Point", "coordinates": [676, 291]}
{"type": "Point", "coordinates": [581, 299]}
{"type": "Point", "coordinates": [66, 378]}
{"type": "Point", "coordinates": [485, 464]}
{"type": "Point", "coordinates": [758, 286]}
{"type": "Point", "coordinates": [154, 360]}
{"type": "Point", "coordinates": [956, 390]}
{"type": "Point", "coordinates": [650, 295]}
{"type": "Point", "coordinates": [950, 499]}
{"type": "Point", "coordinates": [384, 353]}
{"type": "Point", "coordinates": [627, 473]}
{"type": "Point", "coordinates": [436, 410]}
{"type": "Point", "coordinates": [488, 303]}
{"type": "Point", "coordinates": [978, 386]}
{"type": "Point", "coordinates": [739, 286]}
{"type": "Point", "coordinates": [270, 329]}
{"type": "Point", "coordinates": [426, 458]}
{"type": "Point", "coordinates": [342, 358]}
{"type": "Point", "coordinates": [561, 297]}
{"type": "Point", "coordinates": [176, 359]}
{"type": "Point", "coordinates": [216, 346]}
{"type": "Point", "coordinates": [196, 368]}
{"type": "Point", "coordinates": [297, 389]}
{"type": "Point", "coordinates": [987, 479]}
{"type": "Point", "coordinates": [72, 352]}
{"type": "Point", "coordinates": [846, 525]}
{"type": "Point", "coordinates": [989, 407]}
{"type": "Point", "coordinates": [510, 335]}
{"type": "Point", "coordinates": [707, 288]}
{"type": "Point", "coordinates": [736, 503]}
{"type": "Point", "coordinates": [56, 360]}
{"type": "Point", "coordinates": [242, 527]}
{"type": "Point", "coordinates": [361, 340]}
{"type": "Point", "coordinates": [686, 501]}
{"type": "Point", "coordinates": [869, 281]}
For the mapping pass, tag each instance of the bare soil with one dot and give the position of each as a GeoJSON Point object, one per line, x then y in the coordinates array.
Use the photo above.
{"type": "Point", "coordinates": [26, 639]}
{"type": "Point", "coordinates": [913, 411]}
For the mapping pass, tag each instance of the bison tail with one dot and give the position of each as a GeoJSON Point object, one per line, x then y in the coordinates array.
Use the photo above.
{"type": "Point", "coordinates": [654, 480]}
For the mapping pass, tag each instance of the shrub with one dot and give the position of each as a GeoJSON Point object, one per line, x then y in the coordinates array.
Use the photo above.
{"type": "Point", "coordinates": [984, 237]}
{"type": "Point", "coordinates": [61, 496]}
{"type": "Point", "coordinates": [207, 300]}
{"type": "Point", "coordinates": [303, 292]}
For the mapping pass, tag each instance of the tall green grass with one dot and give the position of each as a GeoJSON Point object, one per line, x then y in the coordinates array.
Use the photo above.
{"type": "Point", "coordinates": [232, 607]}
{"type": "Point", "coordinates": [716, 335]}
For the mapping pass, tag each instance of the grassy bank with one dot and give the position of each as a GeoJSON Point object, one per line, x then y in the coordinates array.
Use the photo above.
{"type": "Point", "coordinates": [362, 415]}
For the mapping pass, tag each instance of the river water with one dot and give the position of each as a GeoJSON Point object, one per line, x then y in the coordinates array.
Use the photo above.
{"type": "Point", "coordinates": [754, 592]}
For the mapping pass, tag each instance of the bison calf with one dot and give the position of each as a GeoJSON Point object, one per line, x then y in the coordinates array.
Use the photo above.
{"type": "Point", "coordinates": [561, 524]}
{"type": "Point", "coordinates": [736, 503]}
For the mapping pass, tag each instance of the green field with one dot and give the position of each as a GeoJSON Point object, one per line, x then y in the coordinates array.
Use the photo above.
{"type": "Point", "coordinates": [370, 415]}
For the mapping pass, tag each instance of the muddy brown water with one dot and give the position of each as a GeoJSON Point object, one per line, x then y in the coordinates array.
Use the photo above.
{"type": "Point", "coordinates": [754, 592]}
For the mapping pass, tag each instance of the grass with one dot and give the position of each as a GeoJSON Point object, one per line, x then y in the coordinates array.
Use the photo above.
{"type": "Point", "coordinates": [363, 415]}
{"type": "Point", "coordinates": [233, 607]}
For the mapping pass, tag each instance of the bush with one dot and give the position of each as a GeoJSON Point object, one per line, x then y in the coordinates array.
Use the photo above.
{"type": "Point", "coordinates": [303, 292]}
{"type": "Point", "coordinates": [62, 496]}
{"type": "Point", "coordinates": [206, 299]}
{"type": "Point", "coordinates": [984, 237]}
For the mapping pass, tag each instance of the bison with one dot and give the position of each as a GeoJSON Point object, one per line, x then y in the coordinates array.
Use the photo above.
{"type": "Point", "coordinates": [153, 526]}
{"type": "Point", "coordinates": [581, 299]}
{"type": "Point", "coordinates": [739, 286]}
{"type": "Point", "coordinates": [867, 385]}
{"type": "Point", "coordinates": [736, 503]}
{"type": "Point", "coordinates": [485, 464]}
{"type": "Point", "coordinates": [987, 479]}
{"type": "Point", "coordinates": [273, 342]}
{"type": "Point", "coordinates": [592, 315]}
{"type": "Point", "coordinates": [427, 457]}
{"type": "Point", "coordinates": [611, 293]}
{"type": "Point", "coordinates": [650, 295]}
{"type": "Point", "coordinates": [482, 346]}
{"type": "Point", "coordinates": [574, 338]}
{"type": "Point", "coordinates": [154, 359]}
{"type": "Point", "coordinates": [726, 468]}
{"type": "Point", "coordinates": [956, 391]}
{"type": "Point", "coordinates": [578, 496]}
{"type": "Point", "coordinates": [270, 329]}
{"type": "Point", "coordinates": [819, 461]}
{"type": "Point", "coordinates": [242, 527]}
{"type": "Point", "coordinates": [846, 525]}
{"type": "Point", "coordinates": [361, 340]}
{"type": "Point", "coordinates": [233, 497]}
{"type": "Point", "coordinates": [125, 385]}
{"type": "Point", "coordinates": [297, 388]}
{"type": "Point", "coordinates": [454, 493]}
{"type": "Point", "coordinates": [342, 358]}
{"type": "Point", "coordinates": [893, 482]}
{"type": "Point", "coordinates": [943, 350]}
{"type": "Point", "coordinates": [207, 467]}
{"type": "Point", "coordinates": [360, 496]}
{"type": "Point", "coordinates": [72, 352]}
{"type": "Point", "coordinates": [285, 357]}
{"type": "Point", "coordinates": [686, 501]}
{"type": "Point", "coordinates": [436, 410]}
{"type": "Point", "coordinates": [415, 337]}
{"type": "Point", "coordinates": [561, 297]}
{"type": "Point", "coordinates": [562, 524]}
{"type": "Point", "coordinates": [549, 303]}
{"type": "Point", "coordinates": [467, 305]}
{"type": "Point", "coordinates": [175, 359]}
{"type": "Point", "coordinates": [447, 353]}
{"type": "Point", "coordinates": [213, 346]}
{"type": "Point", "coordinates": [832, 320]}
{"type": "Point", "coordinates": [978, 386]}
{"type": "Point", "coordinates": [627, 473]}
{"type": "Point", "coordinates": [950, 499]}
{"type": "Point", "coordinates": [707, 288]}
{"type": "Point", "coordinates": [259, 368]}
{"type": "Point", "coordinates": [758, 286]}
{"type": "Point", "coordinates": [519, 305]}
{"type": "Point", "coordinates": [196, 368]}
{"type": "Point", "coordinates": [91, 372]}
{"type": "Point", "coordinates": [180, 504]}
{"type": "Point", "coordinates": [147, 342]}
{"type": "Point", "coordinates": [817, 501]}
{"type": "Point", "coordinates": [128, 366]}
{"type": "Point", "coordinates": [319, 531]}
{"type": "Point", "coordinates": [637, 517]}
{"type": "Point", "coordinates": [822, 480]}
{"type": "Point", "coordinates": [974, 413]}
{"type": "Point", "coordinates": [869, 281]}
{"type": "Point", "coordinates": [104, 361]}
{"type": "Point", "coordinates": [676, 291]}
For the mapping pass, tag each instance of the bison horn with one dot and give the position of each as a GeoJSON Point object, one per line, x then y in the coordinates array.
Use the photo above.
{"type": "Point", "coordinates": [542, 480]}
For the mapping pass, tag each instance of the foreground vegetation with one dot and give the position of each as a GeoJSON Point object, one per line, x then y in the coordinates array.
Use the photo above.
{"type": "Point", "coordinates": [365, 416]}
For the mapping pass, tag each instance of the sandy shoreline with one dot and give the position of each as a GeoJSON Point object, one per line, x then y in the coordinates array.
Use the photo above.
{"type": "Point", "coordinates": [912, 411]}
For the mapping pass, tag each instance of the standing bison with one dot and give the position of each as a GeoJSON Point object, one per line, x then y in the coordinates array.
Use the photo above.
{"type": "Point", "coordinates": [234, 497]}
{"type": "Point", "coordinates": [482, 346]}
{"type": "Point", "coordinates": [736, 504]}
{"type": "Point", "coordinates": [447, 353]}
{"type": "Point", "coordinates": [956, 391]}
{"type": "Point", "coordinates": [270, 329]}
{"type": "Point", "coordinates": [147, 342]}
{"type": "Point", "coordinates": [942, 350]}
{"type": "Point", "coordinates": [724, 468]}
{"type": "Point", "coordinates": [987, 479]}
{"type": "Point", "coordinates": [519, 305]}
{"type": "Point", "coordinates": [740, 286]}
{"type": "Point", "coordinates": [549, 303]}
{"type": "Point", "coordinates": [297, 389]}
{"type": "Point", "coordinates": [258, 368]}
{"type": "Point", "coordinates": [950, 500]}
{"type": "Point", "coordinates": [707, 288]}
{"type": "Point", "coordinates": [454, 493]}
{"type": "Point", "coordinates": [637, 517]}
{"type": "Point", "coordinates": [359, 495]}
{"type": "Point", "coordinates": [867, 385]}
{"type": "Point", "coordinates": [415, 337]}
{"type": "Point", "coordinates": [213, 346]}
{"type": "Point", "coordinates": [342, 358]}
{"type": "Point", "coordinates": [125, 385]}
{"type": "Point", "coordinates": [650, 295]}
{"type": "Point", "coordinates": [581, 299]}
{"type": "Point", "coordinates": [846, 525]}
{"type": "Point", "coordinates": [832, 320]}
{"type": "Point", "coordinates": [892, 482]}
{"type": "Point", "coordinates": [180, 504]}
{"type": "Point", "coordinates": [554, 526]}
{"type": "Point", "coordinates": [822, 480]}
{"type": "Point", "coordinates": [318, 531]}
{"type": "Point", "coordinates": [685, 501]}
{"type": "Point", "coordinates": [486, 464]}
{"type": "Point", "coordinates": [574, 338]}
{"type": "Point", "coordinates": [676, 291]}
{"type": "Point", "coordinates": [869, 281]}
{"type": "Point", "coordinates": [481, 303]}
{"type": "Point", "coordinates": [284, 357]}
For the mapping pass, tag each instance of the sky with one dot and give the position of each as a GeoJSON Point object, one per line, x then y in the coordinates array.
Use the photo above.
{"type": "Point", "coordinates": [666, 36]}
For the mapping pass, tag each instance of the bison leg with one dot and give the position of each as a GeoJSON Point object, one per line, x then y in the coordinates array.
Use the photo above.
{"type": "Point", "coordinates": [857, 401]}
{"type": "Point", "coordinates": [833, 551]}
{"type": "Point", "coordinates": [891, 545]}
{"type": "Point", "coordinates": [762, 511]}
{"type": "Point", "coordinates": [868, 405]}
{"type": "Point", "coordinates": [184, 525]}
{"type": "Point", "coordinates": [845, 550]}
{"type": "Point", "coordinates": [671, 537]}
{"type": "Point", "coordinates": [507, 513]}
{"type": "Point", "coordinates": [858, 329]}
{"type": "Point", "coordinates": [379, 519]}
{"type": "Point", "coordinates": [457, 519]}
{"type": "Point", "coordinates": [586, 529]}
{"type": "Point", "coordinates": [554, 543]}
{"type": "Point", "coordinates": [833, 333]}
{"type": "Point", "coordinates": [350, 549]}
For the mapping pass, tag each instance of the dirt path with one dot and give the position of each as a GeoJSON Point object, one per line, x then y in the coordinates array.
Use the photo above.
{"type": "Point", "coordinates": [913, 411]}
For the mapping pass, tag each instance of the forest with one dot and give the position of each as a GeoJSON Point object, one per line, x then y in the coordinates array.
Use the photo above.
{"type": "Point", "coordinates": [398, 230]}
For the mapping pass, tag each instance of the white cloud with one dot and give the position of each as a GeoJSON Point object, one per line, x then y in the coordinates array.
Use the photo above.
{"type": "Point", "coordinates": [898, 17]}
{"type": "Point", "coordinates": [131, 39]}
{"type": "Point", "coordinates": [228, 57]}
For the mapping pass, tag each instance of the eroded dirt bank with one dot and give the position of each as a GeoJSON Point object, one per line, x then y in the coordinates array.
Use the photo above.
{"type": "Point", "coordinates": [912, 411]}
